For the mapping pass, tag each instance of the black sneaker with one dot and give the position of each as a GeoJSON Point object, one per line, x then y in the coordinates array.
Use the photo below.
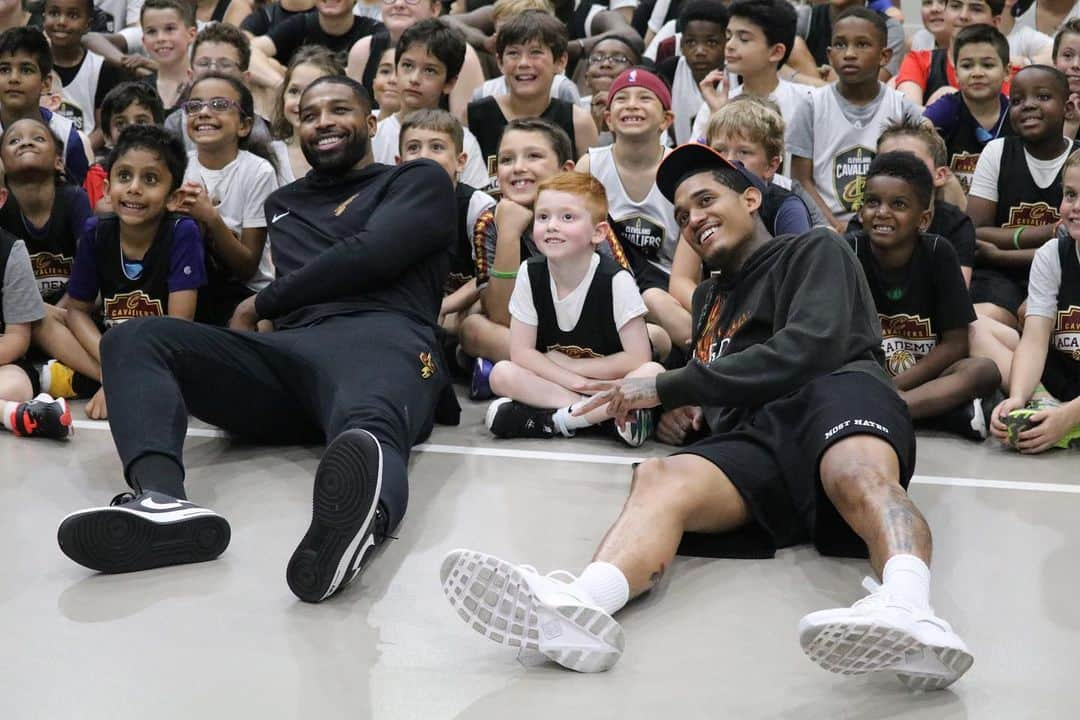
{"type": "Point", "coordinates": [139, 532]}
{"type": "Point", "coordinates": [508, 419]}
{"type": "Point", "coordinates": [42, 417]}
{"type": "Point", "coordinates": [346, 520]}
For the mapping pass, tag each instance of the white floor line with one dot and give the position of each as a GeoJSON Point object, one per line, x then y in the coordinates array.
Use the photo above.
{"type": "Point", "coordinates": [551, 456]}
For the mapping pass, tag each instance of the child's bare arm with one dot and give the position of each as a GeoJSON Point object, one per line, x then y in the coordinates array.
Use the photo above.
{"type": "Point", "coordinates": [14, 342]}
{"type": "Point", "coordinates": [802, 169]}
{"type": "Point", "coordinates": [511, 221]}
{"type": "Point", "coordinates": [182, 304]}
{"type": "Point", "coordinates": [523, 352]}
{"type": "Point", "coordinates": [461, 299]}
{"type": "Point", "coordinates": [83, 328]}
{"type": "Point", "coordinates": [952, 347]}
{"type": "Point", "coordinates": [982, 211]}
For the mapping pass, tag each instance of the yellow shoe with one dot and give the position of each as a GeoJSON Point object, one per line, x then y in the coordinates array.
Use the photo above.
{"type": "Point", "coordinates": [57, 380]}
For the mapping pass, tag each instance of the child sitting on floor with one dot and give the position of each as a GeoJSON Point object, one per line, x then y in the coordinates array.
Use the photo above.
{"type": "Point", "coordinates": [556, 348]}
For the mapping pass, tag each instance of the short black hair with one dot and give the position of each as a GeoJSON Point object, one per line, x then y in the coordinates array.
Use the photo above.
{"type": "Point", "coordinates": [996, 7]}
{"type": "Point", "coordinates": [30, 41]}
{"type": "Point", "coordinates": [226, 34]}
{"type": "Point", "coordinates": [130, 93]}
{"type": "Point", "coordinates": [184, 8]}
{"type": "Point", "coordinates": [443, 42]}
{"type": "Point", "coordinates": [871, 16]}
{"type": "Point", "coordinates": [712, 11]}
{"type": "Point", "coordinates": [531, 25]}
{"type": "Point", "coordinates": [982, 33]}
{"type": "Point", "coordinates": [358, 90]}
{"type": "Point", "coordinates": [557, 137]}
{"type": "Point", "coordinates": [905, 166]}
{"type": "Point", "coordinates": [775, 18]}
{"type": "Point", "coordinates": [89, 7]}
{"type": "Point", "coordinates": [157, 140]}
{"type": "Point", "coordinates": [1061, 80]}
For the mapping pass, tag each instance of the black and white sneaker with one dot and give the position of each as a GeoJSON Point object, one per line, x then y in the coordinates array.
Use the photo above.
{"type": "Point", "coordinates": [139, 532]}
{"type": "Point", "coordinates": [509, 419]}
{"type": "Point", "coordinates": [346, 520]}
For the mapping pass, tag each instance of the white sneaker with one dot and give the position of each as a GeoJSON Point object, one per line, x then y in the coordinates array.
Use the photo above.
{"type": "Point", "coordinates": [880, 632]}
{"type": "Point", "coordinates": [515, 605]}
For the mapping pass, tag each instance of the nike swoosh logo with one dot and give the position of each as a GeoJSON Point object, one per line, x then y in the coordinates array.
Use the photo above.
{"type": "Point", "coordinates": [278, 216]}
{"type": "Point", "coordinates": [154, 505]}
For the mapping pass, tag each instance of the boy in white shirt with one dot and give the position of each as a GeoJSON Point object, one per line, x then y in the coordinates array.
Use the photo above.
{"type": "Point", "coordinates": [558, 351]}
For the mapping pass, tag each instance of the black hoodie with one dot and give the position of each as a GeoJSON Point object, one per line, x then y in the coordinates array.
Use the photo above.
{"type": "Point", "coordinates": [798, 308]}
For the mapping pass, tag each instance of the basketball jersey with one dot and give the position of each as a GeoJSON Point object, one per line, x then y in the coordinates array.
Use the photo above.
{"type": "Point", "coordinates": [772, 200]}
{"type": "Point", "coordinates": [819, 34]}
{"type": "Point", "coordinates": [1062, 373]}
{"type": "Point", "coordinates": [843, 149]}
{"type": "Point", "coordinates": [595, 334]}
{"type": "Point", "coordinates": [1017, 190]}
{"type": "Point", "coordinates": [52, 248]}
{"type": "Point", "coordinates": [939, 72]}
{"type": "Point", "coordinates": [78, 95]}
{"type": "Point", "coordinates": [487, 121]}
{"type": "Point", "coordinates": [964, 144]}
{"type": "Point", "coordinates": [124, 298]}
{"type": "Point", "coordinates": [646, 229]}
{"type": "Point", "coordinates": [471, 204]}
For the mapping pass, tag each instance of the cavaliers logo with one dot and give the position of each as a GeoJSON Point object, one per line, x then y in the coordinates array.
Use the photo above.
{"type": "Point", "coordinates": [575, 351]}
{"type": "Point", "coordinates": [1031, 214]}
{"type": "Point", "coordinates": [1066, 336]}
{"type": "Point", "coordinates": [643, 233]}
{"type": "Point", "coordinates": [963, 167]}
{"type": "Point", "coordinates": [849, 175]}
{"type": "Point", "coordinates": [905, 339]}
{"type": "Point", "coordinates": [128, 306]}
{"type": "Point", "coordinates": [427, 365]}
{"type": "Point", "coordinates": [52, 272]}
{"type": "Point", "coordinates": [343, 206]}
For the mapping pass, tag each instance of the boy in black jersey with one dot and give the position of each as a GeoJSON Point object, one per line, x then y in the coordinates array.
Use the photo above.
{"type": "Point", "coordinates": [437, 135]}
{"type": "Point", "coordinates": [949, 221]}
{"type": "Point", "coordinates": [921, 300]}
{"type": "Point", "coordinates": [576, 317]}
{"type": "Point", "coordinates": [143, 261]}
{"type": "Point", "coordinates": [1016, 190]}
{"type": "Point", "coordinates": [531, 49]}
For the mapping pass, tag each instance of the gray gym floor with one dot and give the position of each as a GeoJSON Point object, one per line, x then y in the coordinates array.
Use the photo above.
{"type": "Point", "coordinates": [228, 640]}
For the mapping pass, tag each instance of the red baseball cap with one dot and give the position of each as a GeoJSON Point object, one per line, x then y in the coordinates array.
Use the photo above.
{"type": "Point", "coordinates": [639, 77]}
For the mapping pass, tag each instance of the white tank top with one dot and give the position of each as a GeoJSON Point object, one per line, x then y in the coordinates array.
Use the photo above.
{"type": "Point", "coordinates": [844, 149]}
{"type": "Point", "coordinates": [79, 94]}
{"type": "Point", "coordinates": [647, 227]}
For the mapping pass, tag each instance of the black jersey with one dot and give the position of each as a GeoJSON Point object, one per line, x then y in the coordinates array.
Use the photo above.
{"type": "Point", "coordinates": [938, 77]}
{"type": "Point", "coordinates": [486, 121]}
{"type": "Point", "coordinates": [1062, 372]}
{"type": "Point", "coordinates": [965, 142]}
{"type": "Point", "coordinates": [263, 18]}
{"type": "Point", "coordinates": [125, 298]}
{"type": "Point", "coordinates": [771, 202]}
{"type": "Point", "coordinates": [305, 29]}
{"type": "Point", "coordinates": [52, 248]}
{"type": "Point", "coordinates": [595, 334]}
{"type": "Point", "coordinates": [462, 263]}
{"type": "Point", "coordinates": [918, 302]}
{"type": "Point", "coordinates": [819, 34]}
{"type": "Point", "coordinates": [1022, 203]}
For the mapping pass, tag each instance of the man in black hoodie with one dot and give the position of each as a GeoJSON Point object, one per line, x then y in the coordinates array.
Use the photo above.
{"type": "Point", "coordinates": [361, 252]}
{"type": "Point", "coordinates": [801, 438]}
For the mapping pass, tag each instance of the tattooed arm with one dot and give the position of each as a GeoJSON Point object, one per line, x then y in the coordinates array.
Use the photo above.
{"type": "Point", "coordinates": [622, 396]}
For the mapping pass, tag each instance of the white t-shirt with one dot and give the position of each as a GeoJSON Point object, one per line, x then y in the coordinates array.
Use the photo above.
{"type": "Point", "coordinates": [665, 32]}
{"type": "Point", "coordinates": [384, 146]}
{"type": "Point", "coordinates": [562, 88]}
{"type": "Point", "coordinates": [625, 299]}
{"type": "Point", "coordinates": [984, 182]}
{"type": "Point", "coordinates": [788, 96]}
{"type": "Point", "coordinates": [239, 191]}
{"type": "Point", "coordinates": [1028, 18]}
{"type": "Point", "coordinates": [1044, 281]}
{"type": "Point", "coordinates": [1027, 42]}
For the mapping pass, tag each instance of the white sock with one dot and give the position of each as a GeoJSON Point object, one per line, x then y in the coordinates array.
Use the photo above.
{"type": "Point", "coordinates": [9, 413]}
{"type": "Point", "coordinates": [568, 423]}
{"type": "Point", "coordinates": [908, 578]}
{"type": "Point", "coordinates": [605, 585]}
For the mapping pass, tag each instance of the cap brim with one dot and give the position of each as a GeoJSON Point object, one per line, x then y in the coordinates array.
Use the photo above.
{"type": "Point", "coordinates": [692, 158]}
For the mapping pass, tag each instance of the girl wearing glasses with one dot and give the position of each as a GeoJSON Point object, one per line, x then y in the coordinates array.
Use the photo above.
{"type": "Point", "coordinates": [228, 179]}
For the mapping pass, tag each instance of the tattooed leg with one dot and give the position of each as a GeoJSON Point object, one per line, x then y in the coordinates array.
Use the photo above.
{"type": "Point", "coordinates": [668, 497]}
{"type": "Point", "coordinates": [861, 477]}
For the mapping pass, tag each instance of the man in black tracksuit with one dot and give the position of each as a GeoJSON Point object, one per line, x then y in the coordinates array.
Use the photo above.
{"type": "Point", "coordinates": [800, 437]}
{"type": "Point", "coordinates": [361, 252]}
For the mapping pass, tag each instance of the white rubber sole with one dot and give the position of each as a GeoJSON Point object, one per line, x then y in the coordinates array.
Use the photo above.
{"type": "Point", "coordinates": [853, 645]}
{"type": "Point", "coordinates": [494, 598]}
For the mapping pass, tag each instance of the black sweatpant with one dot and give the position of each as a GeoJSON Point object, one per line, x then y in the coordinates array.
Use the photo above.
{"type": "Point", "coordinates": [375, 371]}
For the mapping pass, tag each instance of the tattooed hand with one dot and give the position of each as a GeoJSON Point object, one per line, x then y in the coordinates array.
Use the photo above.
{"type": "Point", "coordinates": [622, 396]}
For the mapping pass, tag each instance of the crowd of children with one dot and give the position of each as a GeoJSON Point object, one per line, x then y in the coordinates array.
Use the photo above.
{"type": "Point", "coordinates": [139, 149]}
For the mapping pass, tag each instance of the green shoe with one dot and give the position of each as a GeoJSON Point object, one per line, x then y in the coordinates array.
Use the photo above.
{"type": "Point", "coordinates": [1018, 421]}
